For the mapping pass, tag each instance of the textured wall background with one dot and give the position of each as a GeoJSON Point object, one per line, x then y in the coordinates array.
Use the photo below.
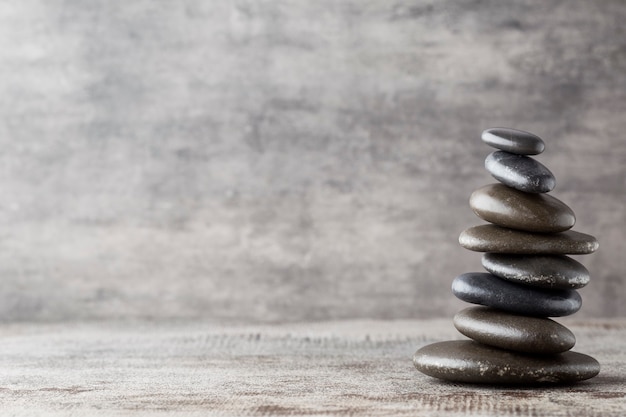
{"type": "Point", "coordinates": [287, 160]}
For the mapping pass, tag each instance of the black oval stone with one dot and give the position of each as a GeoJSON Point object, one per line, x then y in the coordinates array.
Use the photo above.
{"type": "Point", "coordinates": [492, 238]}
{"type": "Point", "coordinates": [520, 172]}
{"type": "Point", "coordinates": [514, 332]}
{"type": "Point", "coordinates": [491, 291]}
{"type": "Point", "coordinates": [508, 207]}
{"type": "Point", "coordinates": [547, 271]}
{"type": "Point", "coordinates": [472, 362]}
{"type": "Point", "coordinates": [513, 140]}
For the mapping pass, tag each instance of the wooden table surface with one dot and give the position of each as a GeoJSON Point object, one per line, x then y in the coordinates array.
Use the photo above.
{"type": "Point", "coordinates": [327, 368]}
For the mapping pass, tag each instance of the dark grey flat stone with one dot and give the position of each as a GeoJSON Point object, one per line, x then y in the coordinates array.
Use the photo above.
{"type": "Point", "coordinates": [489, 290]}
{"type": "Point", "coordinates": [514, 332]}
{"type": "Point", "coordinates": [513, 140]}
{"type": "Point", "coordinates": [469, 361]}
{"type": "Point", "coordinates": [520, 172]}
{"type": "Point", "coordinates": [491, 238]}
{"type": "Point", "coordinates": [508, 207]}
{"type": "Point", "coordinates": [547, 271]}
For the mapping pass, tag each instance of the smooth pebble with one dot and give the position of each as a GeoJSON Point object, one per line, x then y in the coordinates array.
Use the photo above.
{"type": "Point", "coordinates": [508, 207]}
{"type": "Point", "coordinates": [513, 140]}
{"type": "Point", "coordinates": [489, 290]}
{"type": "Point", "coordinates": [520, 172]}
{"type": "Point", "coordinates": [472, 362]}
{"type": "Point", "coordinates": [547, 271]}
{"type": "Point", "coordinates": [514, 332]}
{"type": "Point", "coordinates": [492, 238]}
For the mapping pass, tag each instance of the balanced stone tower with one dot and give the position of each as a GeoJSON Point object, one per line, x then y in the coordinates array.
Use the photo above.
{"type": "Point", "coordinates": [529, 278]}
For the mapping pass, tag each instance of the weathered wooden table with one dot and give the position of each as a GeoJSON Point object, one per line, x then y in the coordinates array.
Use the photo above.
{"type": "Point", "coordinates": [336, 368]}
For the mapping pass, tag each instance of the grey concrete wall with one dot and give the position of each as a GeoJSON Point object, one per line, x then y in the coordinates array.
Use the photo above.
{"type": "Point", "coordinates": [288, 160]}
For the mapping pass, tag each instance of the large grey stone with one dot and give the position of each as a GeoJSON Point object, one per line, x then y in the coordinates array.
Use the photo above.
{"type": "Point", "coordinates": [547, 271]}
{"type": "Point", "coordinates": [489, 290]}
{"type": "Point", "coordinates": [514, 332]}
{"type": "Point", "coordinates": [520, 172]}
{"type": "Point", "coordinates": [492, 238]}
{"type": "Point", "coordinates": [513, 140]}
{"type": "Point", "coordinates": [469, 361]}
{"type": "Point", "coordinates": [508, 207]}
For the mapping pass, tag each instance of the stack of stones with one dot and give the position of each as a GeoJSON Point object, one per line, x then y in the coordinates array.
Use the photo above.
{"type": "Point", "coordinates": [529, 278]}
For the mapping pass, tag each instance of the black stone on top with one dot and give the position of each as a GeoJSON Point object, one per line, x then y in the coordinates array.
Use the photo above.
{"type": "Point", "coordinates": [513, 140]}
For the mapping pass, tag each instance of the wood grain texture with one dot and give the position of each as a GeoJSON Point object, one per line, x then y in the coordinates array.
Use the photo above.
{"type": "Point", "coordinates": [290, 160]}
{"type": "Point", "coordinates": [324, 368]}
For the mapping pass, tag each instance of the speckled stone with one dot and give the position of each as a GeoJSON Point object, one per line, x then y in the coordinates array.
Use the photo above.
{"type": "Point", "coordinates": [546, 271]}
{"type": "Point", "coordinates": [514, 332]}
{"type": "Point", "coordinates": [491, 238]}
{"type": "Point", "coordinates": [472, 362]}
{"type": "Point", "coordinates": [520, 172]}
{"type": "Point", "coordinates": [508, 207]}
{"type": "Point", "coordinates": [491, 291]}
{"type": "Point", "coordinates": [513, 141]}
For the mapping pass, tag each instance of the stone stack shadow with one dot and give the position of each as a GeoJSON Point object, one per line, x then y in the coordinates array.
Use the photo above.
{"type": "Point", "coordinates": [530, 278]}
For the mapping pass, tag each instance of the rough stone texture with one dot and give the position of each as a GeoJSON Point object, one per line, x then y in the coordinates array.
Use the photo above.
{"type": "Point", "coordinates": [489, 290]}
{"type": "Point", "coordinates": [547, 271]}
{"type": "Point", "coordinates": [508, 207]}
{"type": "Point", "coordinates": [520, 172]}
{"type": "Point", "coordinates": [317, 369]}
{"type": "Point", "coordinates": [514, 332]}
{"type": "Point", "coordinates": [491, 238]}
{"type": "Point", "coordinates": [512, 140]}
{"type": "Point", "coordinates": [270, 160]}
{"type": "Point", "coordinates": [470, 362]}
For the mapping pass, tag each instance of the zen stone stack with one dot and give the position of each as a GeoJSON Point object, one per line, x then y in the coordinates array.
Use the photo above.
{"type": "Point", "coordinates": [530, 278]}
